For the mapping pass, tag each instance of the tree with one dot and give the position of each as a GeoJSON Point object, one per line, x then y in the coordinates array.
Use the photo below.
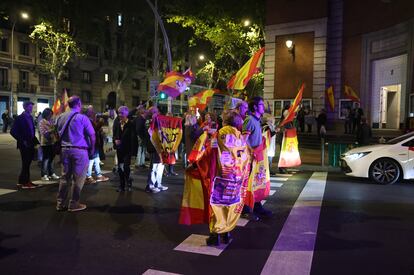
{"type": "Point", "coordinates": [58, 47]}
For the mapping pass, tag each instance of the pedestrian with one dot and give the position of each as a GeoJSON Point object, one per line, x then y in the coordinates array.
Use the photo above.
{"type": "Point", "coordinates": [77, 138]}
{"type": "Point", "coordinates": [309, 119]}
{"type": "Point", "coordinates": [94, 158]}
{"type": "Point", "coordinates": [192, 131]}
{"type": "Point", "coordinates": [111, 118]}
{"type": "Point", "coordinates": [48, 139]}
{"type": "Point", "coordinates": [242, 108]}
{"type": "Point", "coordinates": [154, 181]}
{"type": "Point", "coordinates": [364, 133]}
{"type": "Point", "coordinates": [23, 131]}
{"type": "Point", "coordinates": [269, 131]}
{"type": "Point", "coordinates": [143, 137]}
{"type": "Point", "coordinates": [125, 140]}
{"type": "Point", "coordinates": [253, 135]}
{"type": "Point", "coordinates": [321, 122]}
{"type": "Point", "coordinates": [6, 118]}
{"type": "Point", "coordinates": [301, 119]}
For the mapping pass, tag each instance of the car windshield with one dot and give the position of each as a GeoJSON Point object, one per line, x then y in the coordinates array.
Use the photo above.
{"type": "Point", "coordinates": [400, 138]}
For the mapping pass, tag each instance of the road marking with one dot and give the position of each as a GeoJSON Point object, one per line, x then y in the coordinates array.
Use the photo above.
{"type": "Point", "coordinates": [157, 272]}
{"type": "Point", "coordinates": [284, 175]}
{"type": "Point", "coordinates": [45, 182]}
{"type": "Point", "coordinates": [278, 179]}
{"type": "Point", "coordinates": [272, 192]}
{"type": "Point", "coordinates": [242, 222]}
{"type": "Point", "coordinates": [197, 244]}
{"type": "Point", "coordinates": [276, 184]}
{"type": "Point", "coordinates": [293, 250]}
{"type": "Point", "coordinates": [106, 171]}
{"type": "Point", "coordinates": [6, 191]}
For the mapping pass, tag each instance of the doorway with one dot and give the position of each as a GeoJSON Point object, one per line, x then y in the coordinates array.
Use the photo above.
{"type": "Point", "coordinates": [390, 106]}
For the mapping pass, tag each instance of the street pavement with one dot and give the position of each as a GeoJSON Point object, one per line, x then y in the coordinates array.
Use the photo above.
{"type": "Point", "coordinates": [323, 223]}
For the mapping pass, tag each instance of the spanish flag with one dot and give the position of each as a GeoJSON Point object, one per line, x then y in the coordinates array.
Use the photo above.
{"type": "Point", "coordinates": [330, 97]}
{"type": "Point", "coordinates": [350, 94]}
{"type": "Point", "coordinates": [169, 85]}
{"type": "Point", "coordinates": [201, 99]}
{"type": "Point", "coordinates": [294, 107]}
{"type": "Point", "coordinates": [61, 104]}
{"type": "Point", "coordinates": [242, 77]}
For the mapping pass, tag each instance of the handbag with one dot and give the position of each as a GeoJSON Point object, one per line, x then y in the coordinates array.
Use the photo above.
{"type": "Point", "coordinates": [58, 144]}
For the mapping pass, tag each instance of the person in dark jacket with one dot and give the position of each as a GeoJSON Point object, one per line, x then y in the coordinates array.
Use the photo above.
{"type": "Point", "coordinates": [143, 137]}
{"type": "Point", "coordinates": [125, 142]}
{"type": "Point", "coordinates": [23, 131]}
{"type": "Point", "coordinates": [364, 133]}
{"type": "Point", "coordinates": [321, 121]}
{"type": "Point", "coordinates": [6, 118]}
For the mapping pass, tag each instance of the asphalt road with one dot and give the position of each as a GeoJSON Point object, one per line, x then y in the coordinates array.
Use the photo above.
{"type": "Point", "coordinates": [356, 228]}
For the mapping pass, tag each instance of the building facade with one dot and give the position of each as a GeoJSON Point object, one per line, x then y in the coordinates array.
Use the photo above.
{"type": "Point", "coordinates": [366, 45]}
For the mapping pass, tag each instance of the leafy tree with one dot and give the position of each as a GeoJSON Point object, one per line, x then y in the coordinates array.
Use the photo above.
{"type": "Point", "coordinates": [58, 47]}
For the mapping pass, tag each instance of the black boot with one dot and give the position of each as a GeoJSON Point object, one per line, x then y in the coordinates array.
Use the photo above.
{"type": "Point", "coordinates": [213, 240]}
{"type": "Point", "coordinates": [225, 237]}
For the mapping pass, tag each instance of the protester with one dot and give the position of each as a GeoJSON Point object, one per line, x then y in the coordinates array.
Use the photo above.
{"type": "Point", "coordinates": [301, 119]}
{"type": "Point", "coordinates": [111, 118]}
{"type": "Point", "coordinates": [125, 140]}
{"type": "Point", "coordinates": [143, 137]}
{"type": "Point", "coordinates": [242, 108]}
{"type": "Point", "coordinates": [269, 131]}
{"type": "Point", "coordinates": [192, 132]}
{"type": "Point", "coordinates": [309, 119]}
{"type": "Point", "coordinates": [364, 133]}
{"type": "Point", "coordinates": [78, 141]}
{"type": "Point", "coordinates": [170, 171]}
{"type": "Point", "coordinates": [6, 118]}
{"type": "Point", "coordinates": [48, 139]}
{"type": "Point", "coordinates": [94, 158]}
{"type": "Point", "coordinates": [321, 123]}
{"type": "Point", "coordinates": [23, 131]}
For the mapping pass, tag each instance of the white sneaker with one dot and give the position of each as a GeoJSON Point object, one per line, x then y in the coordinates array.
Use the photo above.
{"type": "Point", "coordinates": [152, 189]}
{"type": "Point", "coordinates": [54, 177]}
{"type": "Point", "coordinates": [45, 178]}
{"type": "Point", "coordinates": [162, 187]}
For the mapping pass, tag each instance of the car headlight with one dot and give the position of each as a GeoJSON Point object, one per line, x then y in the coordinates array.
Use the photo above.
{"type": "Point", "coordinates": [356, 156]}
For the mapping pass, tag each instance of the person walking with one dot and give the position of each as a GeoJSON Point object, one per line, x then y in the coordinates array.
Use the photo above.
{"type": "Point", "coordinates": [77, 138]}
{"type": "Point", "coordinates": [23, 131]}
{"type": "Point", "coordinates": [125, 141]}
{"type": "Point", "coordinates": [48, 139]}
{"type": "Point", "coordinates": [6, 118]}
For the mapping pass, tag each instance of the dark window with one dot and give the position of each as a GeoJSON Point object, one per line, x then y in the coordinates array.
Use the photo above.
{"type": "Point", "coordinates": [86, 76]}
{"type": "Point", "coordinates": [43, 80]}
{"type": "Point", "coordinates": [4, 80]}
{"type": "Point", "coordinates": [136, 84]}
{"type": "Point", "coordinates": [86, 96]}
{"type": "Point", "coordinates": [24, 79]}
{"type": "Point", "coordinates": [42, 53]}
{"type": "Point", "coordinates": [92, 50]}
{"type": "Point", "coordinates": [4, 45]}
{"type": "Point", "coordinates": [24, 48]}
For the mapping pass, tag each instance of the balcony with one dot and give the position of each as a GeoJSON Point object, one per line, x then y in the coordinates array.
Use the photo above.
{"type": "Point", "coordinates": [5, 55]}
{"type": "Point", "coordinates": [45, 90]}
{"type": "Point", "coordinates": [5, 86]}
{"type": "Point", "coordinates": [24, 88]}
{"type": "Point", "coordinates": [25, 58]}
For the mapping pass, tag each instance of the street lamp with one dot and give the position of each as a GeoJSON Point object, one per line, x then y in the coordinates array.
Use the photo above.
{"type": "Point", "coordinates": [246, 22]}
{"type": "Point", "coordinates": [201, 57]}
{"type": "Point", "coordinates": [25, 16]}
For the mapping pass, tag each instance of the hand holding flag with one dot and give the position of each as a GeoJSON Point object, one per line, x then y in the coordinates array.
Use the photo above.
{"type": "Point", "coordinates": [294, 107]}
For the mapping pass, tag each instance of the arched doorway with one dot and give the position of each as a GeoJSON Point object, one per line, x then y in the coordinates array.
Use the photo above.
{"type": "Point", "coordinates": [111, 100]}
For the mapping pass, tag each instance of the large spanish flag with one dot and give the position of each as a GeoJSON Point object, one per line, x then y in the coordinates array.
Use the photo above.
{"type": "Point", "coordinates": [169, 85]}
{"type": "Point", "coordinates": [201, 99]}
{"type": "Point", "coordinates": [242, 77]}
{"type": "Point", "coordinates": [350, 94]}
{"type": "Point", "coordinates": [294, 107]}
{"type": "Point", "coordinates": [330, 97]}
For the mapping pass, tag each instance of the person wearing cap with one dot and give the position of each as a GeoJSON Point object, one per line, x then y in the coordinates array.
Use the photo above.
{"type": "Point", "coordinates": [23, 131]}
{"type": "Point", "coordinates": [77, 137]}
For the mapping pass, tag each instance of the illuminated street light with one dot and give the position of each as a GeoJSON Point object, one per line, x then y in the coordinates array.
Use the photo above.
{"type": "Point", "coordinates": [201, 57]}
{"type": "Point", "coordinates": [24, 15]}
{"type": "Point", "coordinates": [246, 22]}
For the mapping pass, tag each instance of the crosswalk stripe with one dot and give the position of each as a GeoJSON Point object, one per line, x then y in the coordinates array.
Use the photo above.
{"type": "Point", "coordinates": [278, 179]}
{"type": "Point", "coordinates": [197, 244]}
{"type": "Point", "coordinates": [293, 250]}
{"type": "Point", "coordinates": [157, 272]}
{"type": "Point", "coordinates": [242, 222]}
{"type": "Point", "coordinates": [272, 192]}
{"type": "Point", "coordinates": [6, 191]}
{"type": "Point", "coordinates": [284, 175]}
{"type": "Point", "coordinates": [45, 182]}
{"type": "Point", "coordinates": [276, 184]}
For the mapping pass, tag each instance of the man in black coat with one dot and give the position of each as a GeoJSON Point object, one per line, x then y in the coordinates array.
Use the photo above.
{"type": "Point", "coordinates": [125, 142]}
{"type": "Point", "coordinates": [23, 131]}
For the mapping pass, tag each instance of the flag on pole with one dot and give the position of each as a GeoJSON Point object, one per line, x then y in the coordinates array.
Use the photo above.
{"type": "Point", "coordinates": [169, 85]}
{"type": "Point", "coordinates": [201, 99]}
{"type": "Point", "coordinates": [350, 94]}
{"type": "Point", "coordinates": [61, 104]}
{"type": "Point", "coordinates": [294, 107]}
{"type": "Point", "coordinates": [242, 77]}
{"type": "Point", "coordinates": [330, 97]}
{"type": "Point", "coordinates": [56, 107]}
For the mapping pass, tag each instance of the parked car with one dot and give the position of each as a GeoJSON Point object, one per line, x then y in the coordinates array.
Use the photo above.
{"type": "Point", "coordinates": [383, 163]}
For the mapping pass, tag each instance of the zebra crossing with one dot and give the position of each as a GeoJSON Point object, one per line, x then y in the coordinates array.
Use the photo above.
{"type": "Point", "coordinates": [196, 243]}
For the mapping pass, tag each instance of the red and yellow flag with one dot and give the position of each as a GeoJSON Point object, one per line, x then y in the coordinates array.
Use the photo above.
{"type": "Point", "coordinates": [330, 97]}
{"type": "Point", "coordinates": [242, 77]}
{"type": "Point", "coordinates": [294, 107]}
{"type": "Point", "coordinates": [350, 94]}
{"type": "Point", "coordinates": [61, 104]}
{"type": "Point", "coordinates": [201, 99]}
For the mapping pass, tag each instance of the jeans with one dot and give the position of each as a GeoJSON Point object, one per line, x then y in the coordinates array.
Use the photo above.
{"type": "Point", "coordinates": [27, 155]}
{"type": "Point", "coordinates": [141, 155]}
{"type": "Point", "coordinates": [156, 172]}
{"type": "Point", "coordinates": [47, 160]}
{"type": "Point", "coordinates": [75, 165]}
{"type": "Point", "coordinates": [94, 162]}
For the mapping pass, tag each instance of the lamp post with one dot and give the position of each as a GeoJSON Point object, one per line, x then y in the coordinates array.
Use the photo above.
{"type": "Point", "coordinates": [25, 16]}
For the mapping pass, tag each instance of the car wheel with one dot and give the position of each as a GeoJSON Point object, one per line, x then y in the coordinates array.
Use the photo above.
{"type": "Point", "coordinates": [385, 171]}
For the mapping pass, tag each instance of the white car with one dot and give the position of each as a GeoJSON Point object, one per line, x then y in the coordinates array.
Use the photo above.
{"type": "Point", "coordinates": [384, 163]}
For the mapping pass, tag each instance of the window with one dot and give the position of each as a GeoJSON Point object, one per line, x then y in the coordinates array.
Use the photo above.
{"type": "Point", "coordinates": [4, 45]}
{"type": "Point", "coordinates": [411, 113]}
{"type": "Point", "coordinates": [24, 79]}
{"type": "Point", "coordinates": [106, 77]}
{"type": "Point", "coordinates": [4, 79]}
{"type": "Point", "coordinates": [119, 20]}
{"type": "Point", "coordinates": [43, 80]}
{"type": "Point", "coordinates": [66, 74]}
{"type": "Point", "coordinates": [86, 76]}
{"type": "Point", "coordinates": [136, 84]}
{"type": "Point", "coordinates": [92, 50]}
{"type": "Point", "coordinates": [42, 53]}
{"type": "Point", "coordinates": [66, 24]}
{"type": "Point", "coordinates": [24, 48]}
{"type": "Point", "coordinates": [86, 96]}
{"type": "Point", "coordinates": [282, 103]}
{"type": "Point", "coordinates": [344, 104]}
